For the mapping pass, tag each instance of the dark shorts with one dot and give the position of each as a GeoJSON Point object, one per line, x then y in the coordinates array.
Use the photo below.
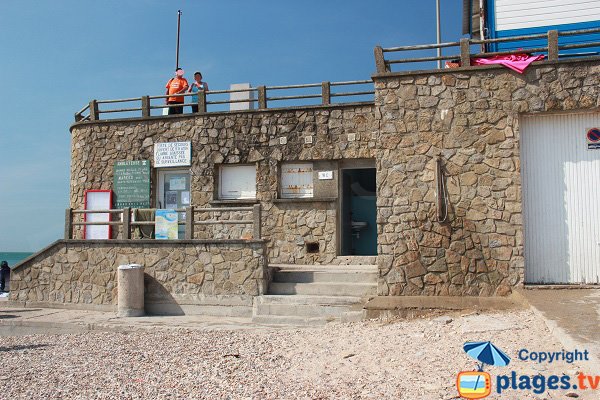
{"type": "Point", "coordinates": [175, 110]}
{"type": "Point", "coordinates": [195, 109]}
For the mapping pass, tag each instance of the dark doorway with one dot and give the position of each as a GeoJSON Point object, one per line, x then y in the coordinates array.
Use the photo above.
{"type": "Point", "coordinates": [358, 212]}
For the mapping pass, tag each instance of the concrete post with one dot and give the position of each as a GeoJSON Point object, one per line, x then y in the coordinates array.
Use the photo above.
{"type": "Point", "coordinates": [189, 223]}
{"type": "Point", "coordinates": [69, 223]}
{"type": "Point", "coordinates": [380, 60]}
{"type": "Point", "coordinates": [145, 106]}
{"type": "Point", "coordinates": [256, 224]}
{"type": "Point", "coordinates": [262, 97]}
{"type": "Point", "coordinates": [130, 280]}
{"type": "Point", "coordinates": [326, 93]}
{"type": "Point", "coordinates": [553, 45]}
{"type": "Point", "coordinates": [465, 53]}
{"type": "Point", "coordinates": [201, 101]}
{"type": "Point", "coordinates": [126, 223]}
{"type": "Point", "coordinates": [94, 114]}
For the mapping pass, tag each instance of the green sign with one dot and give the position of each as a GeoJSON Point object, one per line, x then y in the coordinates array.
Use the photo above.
{"type": "Point", "coordinates": [131, 182]}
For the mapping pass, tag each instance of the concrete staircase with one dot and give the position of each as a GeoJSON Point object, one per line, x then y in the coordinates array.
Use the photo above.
{"type": "Point", "coordinates": [316, 294]}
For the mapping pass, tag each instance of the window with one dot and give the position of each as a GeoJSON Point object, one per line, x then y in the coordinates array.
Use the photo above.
{"type": "Point", "coordinates": [296, 180]}
{"type": "Point", "coordinates": [237, 182]}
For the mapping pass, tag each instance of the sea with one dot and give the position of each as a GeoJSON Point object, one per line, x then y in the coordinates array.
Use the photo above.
{"type": "Point", "coordinates": [13, 257]}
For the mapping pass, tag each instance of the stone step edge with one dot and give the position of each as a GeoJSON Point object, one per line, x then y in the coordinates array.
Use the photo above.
{"type": "Point", "coordinates": [326, 267]}
{"type": "Point", "coordinates": [307, 299]}
{"type": "Point", "coordinates": [268, 319]}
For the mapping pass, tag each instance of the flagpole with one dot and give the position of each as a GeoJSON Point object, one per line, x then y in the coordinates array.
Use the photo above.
{"type": "Point", "coordinates": [178, 31]}
{"type": "Point", "coordinates": [439, 32]}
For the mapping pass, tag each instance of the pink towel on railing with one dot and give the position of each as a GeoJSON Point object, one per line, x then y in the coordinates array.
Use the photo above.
{"type": "Point", "coordinates": [516, 62]}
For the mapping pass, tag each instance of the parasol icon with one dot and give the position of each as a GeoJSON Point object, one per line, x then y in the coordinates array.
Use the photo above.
{"type": "Point", "coordinates": [486, 353]}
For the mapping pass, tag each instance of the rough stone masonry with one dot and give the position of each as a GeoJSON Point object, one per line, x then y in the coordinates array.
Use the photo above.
{"type": "Point", "coordinates": [470, 117]}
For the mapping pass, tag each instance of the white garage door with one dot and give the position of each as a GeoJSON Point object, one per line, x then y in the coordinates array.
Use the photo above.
{"type": "Point", "coordinates": [561, 199]}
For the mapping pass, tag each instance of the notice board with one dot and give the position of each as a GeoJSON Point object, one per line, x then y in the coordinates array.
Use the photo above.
{"type": "Point", "coordinates": [97, 200]}
{"type": "Point", "coordinates": [131, 183]}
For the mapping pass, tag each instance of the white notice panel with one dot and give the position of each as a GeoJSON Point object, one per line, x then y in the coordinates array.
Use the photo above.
{"type": "Point", "coordinates": [296, 180]}
{"type": "Point", "coordinates": [97, 200]}
{"type": "Point", "coordinates": [172, 154]}
{"type": "Point", "coordinates": [237, 182]}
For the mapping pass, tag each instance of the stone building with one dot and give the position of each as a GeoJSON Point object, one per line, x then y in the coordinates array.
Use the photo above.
{"type": "Point", "coordinates": [419, 192]}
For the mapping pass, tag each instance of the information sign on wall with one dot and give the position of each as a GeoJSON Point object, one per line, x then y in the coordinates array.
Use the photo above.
{"type": "Point", "coordinates": [172, 154]}
{"type": "Point", "coordinates": [166, 225]}
{"type": "Point", "coordinates": [131, 183]}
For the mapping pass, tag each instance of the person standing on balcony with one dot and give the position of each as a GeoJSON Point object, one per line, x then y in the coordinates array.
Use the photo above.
{"type": "Point", "coordinates": [196, 86]}
{"type": "Point", "coordinates": [4, 275]}
{"type": "Point", "coordinates": [177, 85]}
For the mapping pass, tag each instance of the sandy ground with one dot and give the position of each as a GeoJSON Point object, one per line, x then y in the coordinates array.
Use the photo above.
{"type": "Point", "coordinates": [405, 359]}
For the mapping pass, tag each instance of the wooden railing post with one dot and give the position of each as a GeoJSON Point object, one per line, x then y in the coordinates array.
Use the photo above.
{"type": "Point", "coordinates": [78, 117]}
{"type": "Point", "coordinates": [201, 101]}
{"type": "Point", "coordinates": [69, 223]}
{"type": "Point", "coordinates": [256, 225]}
{"type": "Point", "coordinates": [189, 223]}
{"type": "Point", "coordinates": [94, 114]}
{"type": "Point", "coordinates": [553, 45]}
{"type": "Point", "coordinates": [145, 106]}
{"type": "Point", "coordinates": [262, 97]}
{"type": "Point", "coordinates": [126, 223]}
{"type": "Point", "coordinates": [465, 52]}
{"type": "Point", "coordinates": [380, 60]}
{"type": "Point", "coordinates": [326, 93]}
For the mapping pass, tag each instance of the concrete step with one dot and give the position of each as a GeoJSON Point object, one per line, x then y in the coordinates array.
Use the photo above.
{"type": "Point", "coordinates": [304, 299]}
{"type": "Point", "coordinates": [325, 267]}
{"type": "Point", "coordinates": [323, 289]}
{"type": "Point", "coordinates": [354, 260]}
{"type": "Point", "coordinates": [287, 275]}
{"type": "Point", "coordinates": [306, 310]}
{"type": "Point", "coordinates": [352, 316]}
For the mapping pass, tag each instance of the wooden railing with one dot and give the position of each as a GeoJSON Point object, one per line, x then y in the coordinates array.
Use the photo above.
{"type": "Point", "coordinates": [261, 97]}
{"type": "Point", "coordinates": [125, 221]}
{"type": "Point", "coordinates": [551, 49]}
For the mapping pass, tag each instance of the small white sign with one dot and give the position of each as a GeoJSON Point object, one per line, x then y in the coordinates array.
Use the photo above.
{"type": "Point", "coordinates": [173, 154]}
{"type": "Point", "coordinates": [325, 175]}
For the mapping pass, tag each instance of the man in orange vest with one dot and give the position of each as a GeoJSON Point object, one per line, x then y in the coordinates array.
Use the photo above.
{"type": "Point", "coordinates": [177, 85]}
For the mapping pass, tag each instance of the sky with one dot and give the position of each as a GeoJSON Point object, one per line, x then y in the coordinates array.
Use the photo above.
{"type": "Point", "coordinates": [57, 55]}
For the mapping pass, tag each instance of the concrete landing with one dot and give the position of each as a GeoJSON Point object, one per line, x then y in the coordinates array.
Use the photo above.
{"type": "Point", "coordinates": [573, 315]}
{"type": "Point", "coordinates": [18, 321]}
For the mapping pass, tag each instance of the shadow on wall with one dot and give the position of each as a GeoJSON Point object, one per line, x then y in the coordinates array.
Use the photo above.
{"type": "Point", "coordinates": [158, 300]}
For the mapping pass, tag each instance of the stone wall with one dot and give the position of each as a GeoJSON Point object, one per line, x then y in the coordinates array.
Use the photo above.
{"type": "Point", "coordinates": [240, 137]}
{"type": "Point", "coordinates": [177, 275]}
{"type": "Point", "coordinates": [470, 117]}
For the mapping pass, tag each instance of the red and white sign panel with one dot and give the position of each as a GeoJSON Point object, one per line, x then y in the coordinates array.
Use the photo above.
{"type": "Point", "coordinates": [97, 200]}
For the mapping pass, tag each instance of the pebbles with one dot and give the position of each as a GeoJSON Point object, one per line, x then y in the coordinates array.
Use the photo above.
{"type": "Point", "coordinates": [368, 360]}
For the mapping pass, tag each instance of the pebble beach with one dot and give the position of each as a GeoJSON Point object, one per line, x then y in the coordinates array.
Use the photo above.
{"type": "Point", "coordinates": [377, 359]}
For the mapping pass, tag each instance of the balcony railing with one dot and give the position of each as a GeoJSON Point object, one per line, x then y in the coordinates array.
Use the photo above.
{"type": "Point", "coordinates": [125, 221]}
{"type": "Point", "coordinates": [551, 48]}
{"type": "Point", "coordinates": [261, 97]}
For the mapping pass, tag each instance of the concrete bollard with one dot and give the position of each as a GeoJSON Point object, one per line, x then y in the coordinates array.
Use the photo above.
{"type": "Point", "coordinates": [130, 278]}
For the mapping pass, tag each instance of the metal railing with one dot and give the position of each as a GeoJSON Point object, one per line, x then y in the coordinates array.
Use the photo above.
{"type": "Point", "coordinates": [551, 48]}
{"type": "Point", "coordinates": [125, 220]}
{"type": "Point", "coordinates": [261, 96]}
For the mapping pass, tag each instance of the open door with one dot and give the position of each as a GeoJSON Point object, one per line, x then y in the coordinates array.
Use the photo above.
{"type": "Point", "coordinates": [358, 212]}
